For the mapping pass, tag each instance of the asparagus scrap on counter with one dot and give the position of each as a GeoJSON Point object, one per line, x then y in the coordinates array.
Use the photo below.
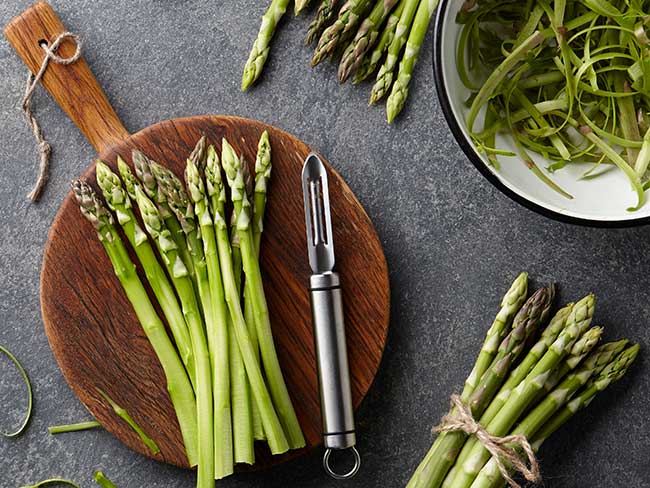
{"type": "Point", "coordinates": [524, 383]}
{"type": "Point", "coordinates": [219, 358]}
{"type": "Point", "coordinates": [369, 36]}
{"type": "Point", "coordinates": [566, 80]}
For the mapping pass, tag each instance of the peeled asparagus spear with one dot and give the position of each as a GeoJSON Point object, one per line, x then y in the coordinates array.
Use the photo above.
{"type": "Point", "coordinates": [232, 166]}
{"type": "Point", "coordinates": [400, 89]}
{"type": "Point", "coordinates": [242, 404]}
{"type": "Point", "coordinates": [148, 182]}
{"type": "Point", "coordinates": [118, 201]}
{"type": "Point", "coordinates": [217, 338]}
{"type": "Point", "coordinates": [365, 38]}
{"type": "Point", "coordinates": [300, 5]}
{"type": "Point", "coordinates": [342, 29]}
{"type": "Point", "coordinates": [369, 63]}
{"type": "Point", "coordinates": [327, 13]}
{"type": "Point", "coordinates": [601, 369]}
{"type": "Point", "coordinates": [275, 433]}
{"type": "Point", "coordinates": [168, 250]}
{"type": "Point", "coordinates": [435, 465]}
{"type": "Point", "coordinates": [178, 383]}
{"type": "Point", "coordinates": [474, 456]}
{"type": "Point", "coordinates": [386, 72]}
{"type": "Point", "coordinates": [261, 46]}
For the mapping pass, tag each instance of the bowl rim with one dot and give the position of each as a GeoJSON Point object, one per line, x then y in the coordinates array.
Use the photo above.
{"type": "Point", "coordinates": [479, 164]}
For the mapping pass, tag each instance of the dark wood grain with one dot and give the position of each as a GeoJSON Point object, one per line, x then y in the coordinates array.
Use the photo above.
{"type": "Point", "coordinates": [92, 329]}
{"type": "Point", "coordinates": [95, 335]}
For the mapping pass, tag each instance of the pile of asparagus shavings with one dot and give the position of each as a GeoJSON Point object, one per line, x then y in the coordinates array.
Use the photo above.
{"type": "Point", "coordinates": [535, 370]}
{"type": "Point", "coordinates": [380, 38]}
{"type": "Point", "coordinates": [220, 363]}
{"type": "Point", "coordinates": [568, 80]}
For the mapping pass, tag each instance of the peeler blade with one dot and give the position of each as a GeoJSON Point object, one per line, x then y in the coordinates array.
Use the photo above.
{"type": "Point", "coordinates": [318, 217]}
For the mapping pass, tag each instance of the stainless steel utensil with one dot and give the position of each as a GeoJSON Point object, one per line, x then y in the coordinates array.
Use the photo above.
{"type": "Point", "coordinates": [327, 316]}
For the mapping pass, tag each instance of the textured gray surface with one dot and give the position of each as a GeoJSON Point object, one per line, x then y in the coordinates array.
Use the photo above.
{"type": "Point", "coordinates": [452, 243]}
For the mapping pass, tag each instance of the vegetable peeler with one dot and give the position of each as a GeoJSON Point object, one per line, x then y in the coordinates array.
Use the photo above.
{"type": "Point", "coordinates": [327, 318]}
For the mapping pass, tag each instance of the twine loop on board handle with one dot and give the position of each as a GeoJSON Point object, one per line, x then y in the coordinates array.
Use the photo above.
{"type": "Point", "coordinates": [44, 148]}
{"type": "Point", "coordinates": [460, 418]}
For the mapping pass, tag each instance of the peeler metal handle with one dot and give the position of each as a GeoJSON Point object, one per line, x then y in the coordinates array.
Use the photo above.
{"type": "Point", "coordinates": [333, 369]}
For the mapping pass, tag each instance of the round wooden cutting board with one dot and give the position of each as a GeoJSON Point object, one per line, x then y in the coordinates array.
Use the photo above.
{"type": "Point", "coordinates": [91, 326]}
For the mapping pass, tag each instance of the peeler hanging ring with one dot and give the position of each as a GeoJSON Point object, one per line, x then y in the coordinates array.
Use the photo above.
{"type": "Point", "coordinates": [349, 474]}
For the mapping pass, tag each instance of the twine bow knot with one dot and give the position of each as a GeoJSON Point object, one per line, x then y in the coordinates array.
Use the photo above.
{"type": "Point", "coordinates": [460, 418]}
{"type": "Point", "coordinates": [44, 148]}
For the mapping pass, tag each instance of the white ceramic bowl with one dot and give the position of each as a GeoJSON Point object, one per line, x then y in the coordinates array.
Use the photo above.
{"type": "Point", "coordinates": [601, 201]}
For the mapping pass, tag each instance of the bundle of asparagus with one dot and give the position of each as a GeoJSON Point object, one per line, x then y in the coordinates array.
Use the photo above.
{"type": "Point", "coordinates": [369, 36]}
{"type": "Point", "coordinates": [525, 385]}
{"type": "Point", "coordinates": [222, 370]}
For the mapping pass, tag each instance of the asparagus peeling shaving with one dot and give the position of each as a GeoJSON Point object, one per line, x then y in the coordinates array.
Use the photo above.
{"type": "Point", "coordinates": [64, 429]}
{"type": "Point", "coordinates": [564, 80]}
{"type": "Point", "coordinates": [30, 395]}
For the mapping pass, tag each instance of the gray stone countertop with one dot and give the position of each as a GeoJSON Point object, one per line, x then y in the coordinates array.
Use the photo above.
{"type": "Point", "coordinates": [453, 243]}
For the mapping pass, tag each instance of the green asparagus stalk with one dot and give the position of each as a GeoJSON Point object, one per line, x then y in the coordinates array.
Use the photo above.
{"type": "Point", "coordinates": [240, 389]}
{"type": "Point", "coordinates": [102, 480]}
{"type": "Point", "coordinates": [369, 63]}
{"type": "Point", "coordinates": [341, 30]}
{"type": "Point", "coordinates": [118, 201]}
{"type": "Point", "coordinates": [386, 72]}
{"type": "Point", "coordinates": [474, 456]}
{"type": "Point", "coordinates": [218, 337]}
{"type": "Point", "coordinates": [300, 5]}
{"type": "Point", "coordinates": [435, 465]}
{"type": "Point", "coordinates": [327, 13]}
{"type": "Point", "coordinates": [277, 386]}
{"type": "Point", "coordinates": [277, 439]}
{"type": "Point", "coordinates": [261, 46]}
{"type": "Point", "coordinates": [191, 310]}
{"type": "Point", "coordinates": [532, 314]}
{"type": "Point", "coordinates": [549, 335]}
{"type": "Point", "coordinates": [601, 368]}
{"type": "Point", "coordinates": [178, 383]}
{"type": "Point", "coordinates": [365, 38]}
{"type": "Point", "coordinates": [609, 375]}
{"type": "Point", "coordinates": [400, 89]}
{"type": "Point", "coordinates": [142, 166]}
{"type": "Point", "coordinates": [262, 176]}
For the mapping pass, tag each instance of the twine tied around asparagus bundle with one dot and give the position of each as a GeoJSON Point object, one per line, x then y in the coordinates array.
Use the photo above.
{"type": "Point", "coordinates": [44, 148]}
{"type": "Point", "coordinates": [462, 420]}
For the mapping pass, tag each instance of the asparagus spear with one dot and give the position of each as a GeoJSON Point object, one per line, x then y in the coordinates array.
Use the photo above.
{"type": "Point", "coordinates": [532, 358]}
{"type": "Point", "coordinates": [240, 389]}
{"type": "Point", "coordinates": [279, 392]}
{"type": "Point", "coordinates": [300, 5]}
{"type": "Point", "coordinates": [400, 88]}
{"type": "Point", "coordinates": [365, 38]}
{"type": "Point", "coordinates": [601, 369]}
{"type": "Point", "coordinates": [217, 338]}
{"type": "Point", "coordinates": [369, 63]}
{"type": "Point", "coordinates": [276, 436]}
{"type": "Point", "coordinates": [327, 13]}
{"type": "Point", "coordinates": [178, 383]}
{"type": "Point", "coordinates": [532, 314]}
{"type": "Point", "coordinates": [261, 46]}
{"type": "Point", "coordinates": [142, 166]}
{"type": "Point", "coordinates": [385, 75]}
{"type": "Point", "coordinates": [262, 177]}
{"type": "Point", "coordinates": [474, 456]}
{"type": "Point", "coordinates": [191, 310]}
{"type": "Point", "coordinates": [335, 35]}
{"type": "Point", "coordinates": [118, 201]}
{"type": "Point", "coordinates": [435, 465]}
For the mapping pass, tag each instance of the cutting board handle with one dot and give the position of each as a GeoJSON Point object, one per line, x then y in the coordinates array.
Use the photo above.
{"type": "Point", "coordinates": [73, 86]}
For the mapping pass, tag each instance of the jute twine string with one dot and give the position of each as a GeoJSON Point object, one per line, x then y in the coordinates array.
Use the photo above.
{"type": "Point", "coordinates": [44, 148]}
{"type": "Point", "coordinates": [462, 420]}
